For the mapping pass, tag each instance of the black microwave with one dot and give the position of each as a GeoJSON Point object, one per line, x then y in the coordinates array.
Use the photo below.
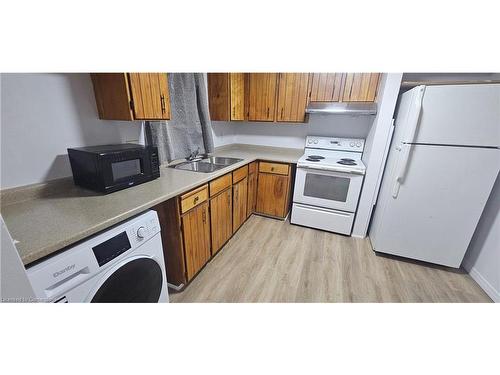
{"type": "Point", "coordinates": [109, 168]}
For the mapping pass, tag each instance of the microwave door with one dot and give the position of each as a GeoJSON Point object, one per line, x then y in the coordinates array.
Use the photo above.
{"type": "Point", "coordinates": [329, 189]}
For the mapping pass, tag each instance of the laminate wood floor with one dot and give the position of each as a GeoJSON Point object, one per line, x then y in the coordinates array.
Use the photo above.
{"type": "Point", "coordinates": [268, 260]}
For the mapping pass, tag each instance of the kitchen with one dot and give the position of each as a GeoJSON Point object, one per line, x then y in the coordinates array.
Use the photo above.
{"type": "Point", "coordinates": [340, 199]}
{"type": "Point", "coordinates": [328, 184]}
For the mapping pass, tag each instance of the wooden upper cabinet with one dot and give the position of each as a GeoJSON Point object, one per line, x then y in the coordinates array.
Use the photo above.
{"type": "Point", "coordinates": [326, 87]}
{"type": "Point", "coordinates": [219, 96]}
{"type": "Point", "coordinates": [238, 86]}
{"type": "Point", "coordinates": [262, 92]}
{"type": "Point", "coordinates": [132, 96]}
{"type": "Point", "coordinates": [360, 87]}
{"type": "Point", "coordinates": [112, 96]}
{"type": "Point", "coordinates": [292, 97]}
{"type": "Point", "coordinates": [150, 96]}
{"type": "Point", "coordinates": [227, 96]}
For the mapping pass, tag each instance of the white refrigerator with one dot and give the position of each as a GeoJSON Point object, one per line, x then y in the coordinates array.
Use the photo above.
{"type": "Point", "coordinates": [442, 165]}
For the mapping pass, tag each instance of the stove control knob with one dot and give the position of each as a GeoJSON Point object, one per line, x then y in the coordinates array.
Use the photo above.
{"type": "Point", "coordinates": [358, 144]}
{"type": "Point", "coordinates": [315, 141]}
{"type": "Point", "coordinates": [352, 144]}
{"type": "Point", "coordinates": [141, 232]}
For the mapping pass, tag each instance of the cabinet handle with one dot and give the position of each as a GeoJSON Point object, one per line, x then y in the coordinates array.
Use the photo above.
{"type": "Point", "coordinates": [204, 216]}
{"type": "Point", "coordinates": [281, 112]}
{"type": "Point", "coordinates": [196, 199]}
{"type": "Point", "coordinates": [229, 199]}
{"type": "Point", "coordinates": [272, 169]}
{"type": "Point", "coordinates": [162, 101]}
{"type": "Point", "coordinates": [267, 111]}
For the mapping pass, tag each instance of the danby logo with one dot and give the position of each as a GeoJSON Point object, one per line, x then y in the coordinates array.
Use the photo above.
{"type": "Point", "coordinates": [58, 273]}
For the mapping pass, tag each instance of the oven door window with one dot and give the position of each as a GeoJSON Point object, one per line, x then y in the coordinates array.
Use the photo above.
{"type": "Point", "coordinates": [332, 188]}
{"type": "Point", "coordinates": [139, 280]}
{"type": "Point", "coordinates": [125, 169]}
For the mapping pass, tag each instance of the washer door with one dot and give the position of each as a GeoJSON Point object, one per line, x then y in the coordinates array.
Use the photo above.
{"type": "Point", "coordinates": [138, 280]}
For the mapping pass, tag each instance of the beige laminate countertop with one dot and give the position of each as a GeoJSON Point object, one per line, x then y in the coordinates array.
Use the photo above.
{"type": "Point", "coordinates": [47, 224]}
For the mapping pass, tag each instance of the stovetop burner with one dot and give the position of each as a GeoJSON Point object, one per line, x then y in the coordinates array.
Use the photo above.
{"type": "Point", "coordinates": [309, 159]}
{"type": "Point", "coordinates": [317, 157]}
{"type": "Point", "coordinates": [347, 161]}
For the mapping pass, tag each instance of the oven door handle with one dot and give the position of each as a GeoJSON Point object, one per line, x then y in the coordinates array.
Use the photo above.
{"type": "Point", "coordinates": [330, 170]}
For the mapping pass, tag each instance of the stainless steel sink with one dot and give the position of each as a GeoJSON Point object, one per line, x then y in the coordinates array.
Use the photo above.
{"type": "Point", "coordinates": [221, 160]}
{"type": "Point", "coordinates": [206, 165]}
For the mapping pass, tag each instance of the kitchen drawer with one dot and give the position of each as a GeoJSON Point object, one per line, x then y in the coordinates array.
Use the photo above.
{"type": "Point", "coordinates": [219, 184]}
{"type": "Point", "coordinates": [240, 174]}
{"type": "Point", "coordinates": [194, 198]}
{"type": "Point", "coordinates": [276, 168]}
{"type": "Point", "coordinates": [252, 167]}
{"type": "Point", "coordinates": [322, 218]}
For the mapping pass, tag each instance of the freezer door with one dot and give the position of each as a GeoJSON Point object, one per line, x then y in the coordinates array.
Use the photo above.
{"type": "Point", "coordinates": [459, 115]}
{"type": "Point", "coordinates": [438, 204]}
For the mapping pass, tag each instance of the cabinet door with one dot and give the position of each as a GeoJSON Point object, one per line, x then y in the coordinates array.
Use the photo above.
{"type": "Point", "coordinates": [196, 236]}
{"type": "Point", "coordinates": [218, 96]}
{"type": "Point", "coordinates": [326, 87]}
{"type": "Point", "coordinates": [240, 191]}
{"type": "Point", "coordinates": [252, 193]}
{"type": "Point", "coordinates": [272, 194]}
{"type": "Point", "coordinates": [221, 219]}
{"type": "Point", "coordinates": [262, 96]}
{"type": "Point", "coordinates": [112, 96]}
{"type": "Point", "coordinates": [164, 95]}
{"type": "Point", "coordinates": [360, 87]}
{"type": "Point", "coordinates": [292, 97]}
{"type": "Point", "coordinates": [150, 96]}
{"type": "Point", "coordinates": [238, 88]}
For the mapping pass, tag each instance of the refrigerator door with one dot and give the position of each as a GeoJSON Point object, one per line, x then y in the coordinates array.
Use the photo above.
{"type": "Point", "coordinates": [458, 115]}
{"type": "Point", "coordinates": [438, 205]}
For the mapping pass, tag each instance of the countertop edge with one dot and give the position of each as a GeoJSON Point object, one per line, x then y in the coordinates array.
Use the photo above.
{"type": "Point", "coordinates": [43, 252]}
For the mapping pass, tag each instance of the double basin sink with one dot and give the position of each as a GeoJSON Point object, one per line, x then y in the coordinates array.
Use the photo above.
{"type": "Point", "coordinates": [208, 164]}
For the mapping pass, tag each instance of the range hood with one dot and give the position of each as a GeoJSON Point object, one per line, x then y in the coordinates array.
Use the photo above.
{"type": "Point", "coordinates": [343, 108]}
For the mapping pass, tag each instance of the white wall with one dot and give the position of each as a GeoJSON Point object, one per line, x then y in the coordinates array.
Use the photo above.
{"type": "Point", "coordinates": [482, 259]}
{"type": "Point", "coordinates": [44, 114]}
{"type": "Point", "coordinates": [291, 134]}
{"type": "Point", "coordinates": [376, 142]}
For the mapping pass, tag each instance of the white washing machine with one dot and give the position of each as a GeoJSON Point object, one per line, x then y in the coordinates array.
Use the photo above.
{"type": "Point", "coordinates": [122, 264]}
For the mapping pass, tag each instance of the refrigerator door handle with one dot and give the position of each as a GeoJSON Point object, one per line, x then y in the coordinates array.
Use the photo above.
{"type": "Point", "coordinates": [402, 166]}
{"type": "Point", "coordinates": [404, 148]}
{"type": "Point", "coordinates": [414, 116]}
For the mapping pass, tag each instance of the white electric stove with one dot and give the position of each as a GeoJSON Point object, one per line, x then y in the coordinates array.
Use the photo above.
{"type": "Point", "coordinates": [328, 184]}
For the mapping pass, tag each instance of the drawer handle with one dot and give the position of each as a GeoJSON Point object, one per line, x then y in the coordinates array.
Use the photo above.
{"type": "Point", "coordinates": [272, 169]}
{"type": "Point", "coordinates": [196, 199]}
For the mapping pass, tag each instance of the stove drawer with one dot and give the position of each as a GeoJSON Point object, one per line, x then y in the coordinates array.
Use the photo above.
{"type": "Point", "coordinates": [322, 218]}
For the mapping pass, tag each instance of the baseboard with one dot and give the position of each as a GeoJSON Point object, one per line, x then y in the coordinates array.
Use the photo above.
{"type": "Point", "coordinates": [485, 285]}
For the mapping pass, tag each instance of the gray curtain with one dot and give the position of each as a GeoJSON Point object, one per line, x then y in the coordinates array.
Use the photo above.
{"type": "Point", "coordinates": [189, 127]}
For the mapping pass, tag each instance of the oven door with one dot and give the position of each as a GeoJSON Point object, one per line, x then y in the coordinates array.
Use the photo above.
{"type": "Point", "coordinates": [329, 189]}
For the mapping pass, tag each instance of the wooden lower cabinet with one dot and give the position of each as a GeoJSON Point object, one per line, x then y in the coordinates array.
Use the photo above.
{"type": "Point", "coordinates": [252, 193]}
{"type": "Point", "coordinates": [197, 224]}
{"type": "Point", "coordinates": [196, 236]}
{"type": "Point", "coordinates": [273, 191]}
{"type": "Point", "coordinates": [221, 219]}
{"type": "Point", "coordinates": [240, 191]}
